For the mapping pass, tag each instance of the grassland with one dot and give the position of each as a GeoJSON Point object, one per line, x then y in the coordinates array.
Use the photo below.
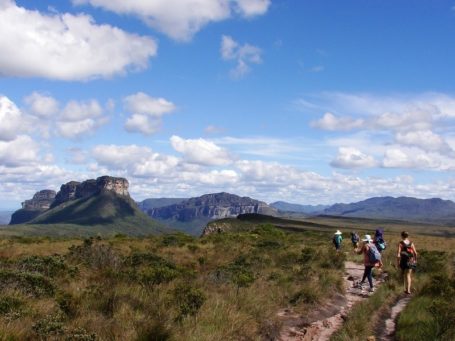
{"type": "Point", "coordinates": [225, 286]}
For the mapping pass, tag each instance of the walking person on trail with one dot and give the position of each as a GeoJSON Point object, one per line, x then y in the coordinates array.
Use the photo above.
{"type": "Point", "coordinates": [371, 259]}
{"type": "Point", "coordinates": [406, 260]}
{"type": "Point", "coordinates": [337, 239]}
{"type": "Point", "coordinates": [379, 240]}
{"type": "Point", "coordinates": [355, 240]}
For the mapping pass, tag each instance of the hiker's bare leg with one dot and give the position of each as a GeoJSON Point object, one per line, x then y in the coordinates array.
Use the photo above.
{"type": "Point", "coordinates": [408, 280]}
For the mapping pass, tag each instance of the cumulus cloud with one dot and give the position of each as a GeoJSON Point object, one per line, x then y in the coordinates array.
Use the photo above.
{"type": "Point", "coordinates": [66, 46]}
{"type": "Point", "coordinates": [201, 151]}
{"type": "Point", "coordinates": [22, 150]}
{"type": "Point", "coordinates": [243, 55]}
{"type": "Point", "coordinates": [352, 158]}
{"type": "Point", "coordinates": [41, 105]}
{"type": "Point", "coordinates": [426, 140]}
{"type": "Point", "coordinates": [80, 118]}
{"type": "Point", "coordinates": [10, 118]}
{"type": "Point", "coordinates": [146, 112]}
{"type": "Point", "coordinates": [181, 19]}
{"type": "Point", "coordinates": [139, 161]}
{"type": "Point", "coordinates": [334, 123]}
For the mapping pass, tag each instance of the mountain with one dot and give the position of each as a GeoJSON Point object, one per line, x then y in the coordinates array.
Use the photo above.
{"type": "Point", "coordinates": [148, 204]}
{"type": "Point", "coordinates": [402, 208]}
{"type": "Point", "coordinates": [306, 209]}
{"type": "Point", "coordinates": [32, 208]}
{"type": "Point", "coordinates": [102, 202]}
{"type": "Point", "coordinates": [191, 215]}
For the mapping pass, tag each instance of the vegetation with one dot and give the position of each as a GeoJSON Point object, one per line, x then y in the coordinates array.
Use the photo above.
{"type": "Point", "coordinates": [227, 285]}
{"type": "Point", "coordinates": [170, 287]}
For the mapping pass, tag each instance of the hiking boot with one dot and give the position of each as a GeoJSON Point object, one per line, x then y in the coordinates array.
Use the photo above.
{"type": "Point", "coordinates": [358, 285]}
{"type": "Point", "coordinates": [371, 290]}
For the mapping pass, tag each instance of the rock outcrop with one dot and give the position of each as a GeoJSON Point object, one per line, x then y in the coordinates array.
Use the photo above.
{"type": "Point", "coordinates": [77, 190]}
{"type": "Point", "coordinates": [211, 206]}
{"type": "Point", "coordinates": [32, 208]}
{"type": "Point", "coordinates": [41, 201]}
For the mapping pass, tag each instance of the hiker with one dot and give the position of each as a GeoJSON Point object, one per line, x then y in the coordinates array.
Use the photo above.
{"type": "Point", "coordinates": [337, 239]}
{"type": "Point", "coordinates": [355, 240]}
{"type": "Point", "coordinates": [378, 240]}
{"type": "Point", "coordinates": [371, 259]}
{"type": "Point", "coordinates": [406, 260]}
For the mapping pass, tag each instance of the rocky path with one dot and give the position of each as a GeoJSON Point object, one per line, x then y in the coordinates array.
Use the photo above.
{"type": "Point", "coordinates": [321, 324]}
{"type": "Point", "coordinates": [388, 331]}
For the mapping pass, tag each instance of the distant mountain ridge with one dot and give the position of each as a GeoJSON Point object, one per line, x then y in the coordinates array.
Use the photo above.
{"type": "Point", "coordinates": [191, 215]}
{"type": "Point", "coordinates": [401, 208]}
{"type": "Point", "coordinates": [289, 207]}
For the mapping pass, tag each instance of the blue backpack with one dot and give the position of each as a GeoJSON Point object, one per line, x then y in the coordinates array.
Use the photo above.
{"type": "Point", "coordinates": [373, 254]}
{"type": "Point", "coordinates": [380, 244]}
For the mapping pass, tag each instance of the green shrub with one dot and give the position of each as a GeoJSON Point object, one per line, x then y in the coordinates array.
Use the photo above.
{"type": "Point", "coordinates": [176, 239]}
{"type": "Point", "coordinates": [9, 304]}
{"type": "Point", "coordinates": [29, 283]}
{"type": "Point", "coordinates": [188, 299]}
{"type": "Point", "coordinates": [95, 254]}
{"type": "Point", "coordinates": [47, 265]}
{"type": "Point", "coordinates": [306, 295]}
{"type": "Point", "coordinates": [80, 334]}
{"type": "Point", "coordinates": [67, 303]}
{"type": "Point", "coordinates": [51, 325]}
{"type": "Point", "coordinates": [157, 275]}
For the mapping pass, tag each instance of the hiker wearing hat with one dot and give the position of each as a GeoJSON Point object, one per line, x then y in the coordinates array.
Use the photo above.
{"type": "Point", "coordinates": [337, 239]}
{"type": "Point", "coordinates": [371, 259]}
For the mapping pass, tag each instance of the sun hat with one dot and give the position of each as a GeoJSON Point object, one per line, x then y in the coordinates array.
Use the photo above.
{"type": "Point", "coordinates": [338, 232]}
{"type": "Point", "coordinates": [367, 238]}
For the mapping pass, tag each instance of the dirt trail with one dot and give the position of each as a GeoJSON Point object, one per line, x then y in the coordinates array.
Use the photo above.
{"type": "Point", "coordinates": [321, 324]}
{"type": "Point", "coordinates": [388, 332]}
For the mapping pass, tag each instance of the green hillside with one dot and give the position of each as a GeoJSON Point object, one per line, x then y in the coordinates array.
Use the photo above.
{"type": "Point", "coordinates": [105, 213]}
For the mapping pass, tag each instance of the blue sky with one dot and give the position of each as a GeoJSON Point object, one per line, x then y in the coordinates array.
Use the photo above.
{"type": "Point", "coordinates": [313, 102]}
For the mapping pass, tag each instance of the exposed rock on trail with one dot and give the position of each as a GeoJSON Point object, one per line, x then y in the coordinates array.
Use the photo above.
{"type": "Point", "coordinates": [388, 332]}
{"type": "Point", "coordinates": [323, 322]}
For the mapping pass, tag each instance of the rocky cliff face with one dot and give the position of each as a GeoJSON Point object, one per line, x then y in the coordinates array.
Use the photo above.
{"type": "Point", "coordinates": [76, 190]}
{"type": "Point", "coordinates": [212, 206]}
{"type": "Point", "coordinates": [44, 200]}
{"type": "Point", "coordinates": [41, 201]}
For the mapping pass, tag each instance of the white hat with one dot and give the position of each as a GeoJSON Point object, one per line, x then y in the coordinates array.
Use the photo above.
{"type": "Point", "coordinates": [338, 232]}
{"type": "Point", "coordinates": [367, 238]}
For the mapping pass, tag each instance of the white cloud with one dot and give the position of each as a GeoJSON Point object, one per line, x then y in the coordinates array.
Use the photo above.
{"type": "Point", "coordinates": [334, 123]}
{"type": "Point", "coordinates": [426, 140]}
{"type": "Point", "coordinates": [139, 161]}
{"type": "Point", "coordinates": [181, 19]}
{"type": "Point", "coordinates": [146, 112]}
{"type": "Point", "coordinates": [41, 105]}
{"type": "Point", "coordinates": [10, 118]}
{"type": "Point", "coordinates": [66, 46]}
{"type": "Point", "coordinates": [80, 118]}
{"type": "Point", "coordinates": [353, 158]}
{"type": "Point", "coordinates": [243, 55]}
{"type": "Point", "coordinates": [20, 151]}
{"type": "Point", "coordinates": [200, 151]}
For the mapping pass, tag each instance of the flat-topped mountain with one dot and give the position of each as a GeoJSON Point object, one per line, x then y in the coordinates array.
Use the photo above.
{"type": "Point", "coordinates": [402, 208]}
{"type": "Point", "coordinates": [103, 201]}
{"type": "Point", "coordinates": [32, 208]}
{"type": "Point", "coordinates": [297, 208]}
{"type": "Point", "coordinates": [191, 215]}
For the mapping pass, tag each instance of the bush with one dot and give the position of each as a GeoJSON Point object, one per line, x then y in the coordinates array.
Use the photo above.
{"type": "Point", "coordinates": [177, 239]}
{"type": "Point", "coordinates": [95, 254]}
{"type": "Point", "coordinates": [51, 325]}
{"type": "Point", "coordinates": [9, 304]}
{"type": "Point", "coordinates": [188, 300]}
{"type": "Point", "coordinates": [29, 283]}
{"type": "Point", "coordinates": [67, 304]}
{"type": "Point", "coordinates": [46, 265]}
{"type": "Point", "coordinates": [155, 331]}
{"type": "Point", "coordinates": [157, 275]}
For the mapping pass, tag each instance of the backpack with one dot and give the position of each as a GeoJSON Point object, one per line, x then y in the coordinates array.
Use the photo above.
{"type": "Point", "coordinates": [337, 239]}
{"type": "Point", "coordinates": [355, 238]}
{"type": "Point", "coordinates": [373, 254]}
{"type": "Point", "coordinates": [380, 244]}
{"type": "Point", "coordinates": [407, 253]}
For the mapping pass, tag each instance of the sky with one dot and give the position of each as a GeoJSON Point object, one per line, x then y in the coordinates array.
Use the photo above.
{"type": "Point", "coordinates": [310, 102]}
